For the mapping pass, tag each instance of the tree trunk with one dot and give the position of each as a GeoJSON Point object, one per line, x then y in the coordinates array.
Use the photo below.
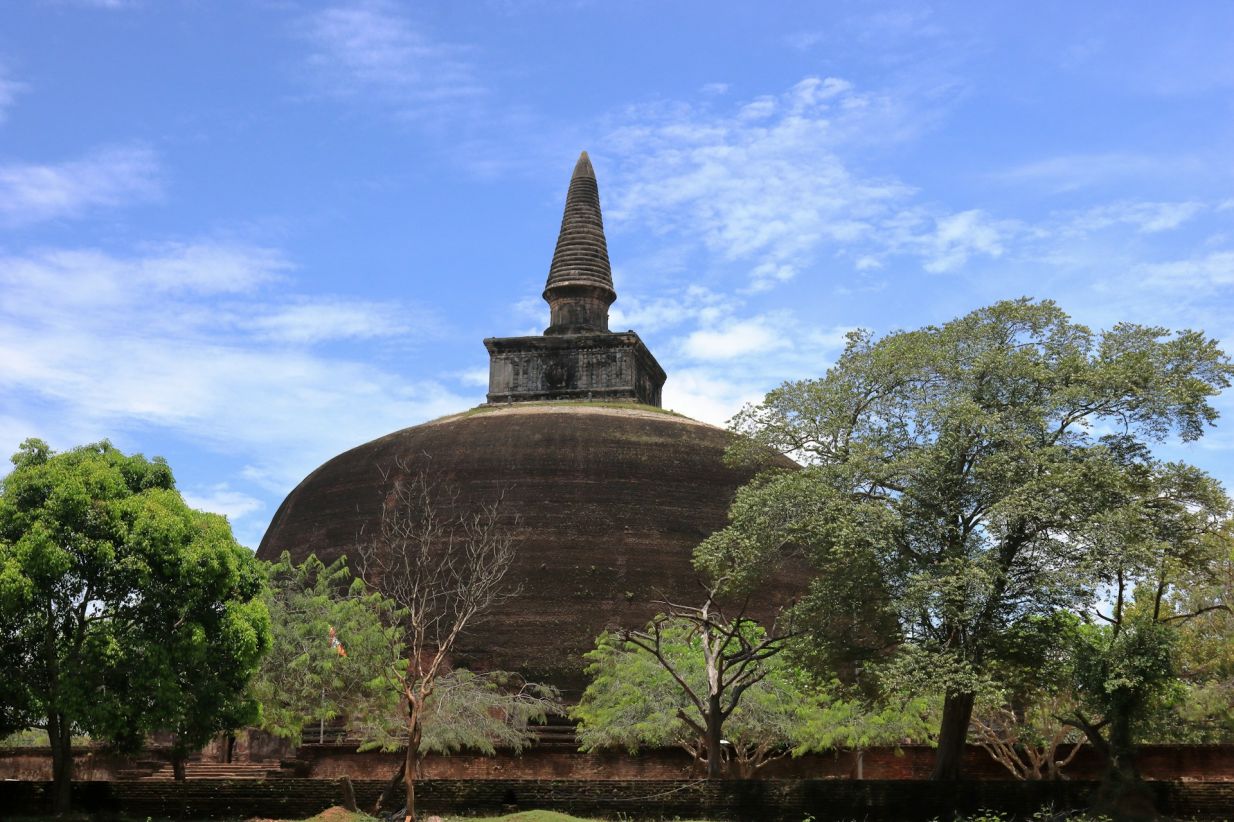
{"type": "Point", "coordinates": [349, 795]}
{"type": "Point", "coordinates": [177, 765]}
{"type": "Point", "coordinates": [409, 762]}
{"type": "Point", "coordinates": [715, 728]}
{"type": "Point", "coordinates": [952, 735]}
{"type": "Point", "coordinates": [1122, 794]}
{"type": "Point", "coordinates": [60, 736]}
{"type": "Point", "coordinates": [386, 799]}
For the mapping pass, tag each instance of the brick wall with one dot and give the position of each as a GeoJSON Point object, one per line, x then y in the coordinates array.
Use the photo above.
{"type": "Point", "coordinates": [768, 800]}
{"type": "Point", "coordinates": [89, 764]}
{"type": "Point", "coordinates": [1157, 762]}
{"type": "Point", "coordinates": [1200, 763]}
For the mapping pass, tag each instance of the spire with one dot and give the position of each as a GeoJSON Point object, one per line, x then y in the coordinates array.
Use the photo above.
{"type": "Point", "coordinates": [580, 281]}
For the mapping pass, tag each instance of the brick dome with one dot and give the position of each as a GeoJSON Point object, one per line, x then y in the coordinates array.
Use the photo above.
{"type": "Point", "coordinates": [610, 504]}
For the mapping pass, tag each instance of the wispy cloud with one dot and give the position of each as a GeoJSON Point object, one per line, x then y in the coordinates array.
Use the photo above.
{"type": "Point", "coordinates": [10, 89]}
{"type": "Point", "coordinates": [237, 506]}
{"type": "Point", "coordinates": [1203, 274]}
{"type": "Point", "coordinates": [769, 184]}
{"type": "Point", "coordinates": [110, 5]}
{"type": "Point", "coordinates": [111, 176]}
{"type": "Point", "coordinates": [956, 237]}
{"type": "Point", "coordinates": [1073, 172]}
{"type": "Point", "coordinates": [762, 183]}
{"type": "Point", "coordinates": [740, 338]}
{"type": "Point", "coordinates": [372, 48]}
{"type": "Point", "coordinates": [313, 320]}
{"type": "Point", "coordinates": [1145, 217]}
{"type": "Point", "coordinates": [111, 345]}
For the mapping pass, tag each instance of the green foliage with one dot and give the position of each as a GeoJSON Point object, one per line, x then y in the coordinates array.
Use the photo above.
{"type": "Point", "coordinates": [484, 712]}
{"type": "Point", "coordinates": [633, 702]}
{"type": "Point", "coordinates": [1046, 814]}
{"type": "Point", "coordinates": [957, 472]}
{"type": "Point", "coordinates": [126, 611]}
{"type": "Point", "coordinates": [857, 724]}
{"type": "Point", "coordinates": [305, 680]}
{"type": "Point", "coordinates": [1126, 668]}
{"type": "Point", "coordinates": [1203, 708]}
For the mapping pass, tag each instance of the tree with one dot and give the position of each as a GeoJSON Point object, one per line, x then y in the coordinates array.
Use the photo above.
{"type": "Point", "coordinates": [953, 470]}
{"type": "Point", "coordinates": [1168, 533]}
{"type": "Point", "coordinates": [1204, 657]}
{"type": "Point", "coordinates": [468, 710]}
{"type": "Point", "coordinates": [338, 651]}
{"type": "Point", "coordinates": [335, 645]}
{"type": "Point", "coordinates": [444, 569]}
{"type": "Point", "coordinates": [711, 662]}
{"type": "Point", "coordinates": [115, 595]}
{"type": "Point", "coordinates": [206, 648]}
{"type": "Point", "coordinates": [1017, 720]}
{"type": "Point", "coordinates": [634, 701]}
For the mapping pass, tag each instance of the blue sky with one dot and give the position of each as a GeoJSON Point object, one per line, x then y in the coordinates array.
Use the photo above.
{"type": "Point", "coordinates": [249, 235]}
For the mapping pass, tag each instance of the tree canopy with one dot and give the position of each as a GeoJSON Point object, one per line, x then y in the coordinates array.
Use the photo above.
{"type": "Point", "coordinates": [636, 700]}
{"type": "Point", "coordinates": [125, 610]}
{"type": "Point", "coordinates": [953, 476]}
{"type": "Point", "coordinates": [334, 651]}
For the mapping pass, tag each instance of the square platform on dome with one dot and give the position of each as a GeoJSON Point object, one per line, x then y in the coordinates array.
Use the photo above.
{"type": "Point", "coordinates": [606, 366]}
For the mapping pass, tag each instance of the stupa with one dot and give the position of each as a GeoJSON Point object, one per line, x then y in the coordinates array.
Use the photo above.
{"type": "Point", "coordinates": [610, 492]}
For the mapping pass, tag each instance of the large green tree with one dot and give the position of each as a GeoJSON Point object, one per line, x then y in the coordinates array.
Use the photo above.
{"type": "Point", "coordinates": [950, 474]}
{"type": "Point", "coordinates": [1156, 547]}
{"type": "Point", "coordinates": [122, 607]}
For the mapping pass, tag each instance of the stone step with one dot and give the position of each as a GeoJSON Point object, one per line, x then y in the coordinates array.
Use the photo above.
{"type": "Point", "coordinates": [213, 770]}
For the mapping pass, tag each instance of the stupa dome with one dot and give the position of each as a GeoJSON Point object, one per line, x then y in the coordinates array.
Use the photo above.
{"type": "Point", "coordinates": [610, 502]}
{"type": "Point", "coordinates": [610, 494]}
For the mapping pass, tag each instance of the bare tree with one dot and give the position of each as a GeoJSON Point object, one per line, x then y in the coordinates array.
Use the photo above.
{"type": "Point", "coordinates": [445, 568]}
{"type": "Point", "coordinates": [1029, 744]}
{"type": "Point", "coordinates": [734, 651]}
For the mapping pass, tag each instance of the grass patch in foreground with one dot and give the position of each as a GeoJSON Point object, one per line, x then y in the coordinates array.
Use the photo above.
{"type": "Point", "coordinates": [530, 816]}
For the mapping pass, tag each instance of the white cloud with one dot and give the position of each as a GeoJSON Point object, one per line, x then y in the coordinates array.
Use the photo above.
{"type": "Point", "coordinates": [958, 236]}
{"type": "Point", "coordinates": [9, 91]}
{"type": "Point", "coordinates": [237, 506]}
{"type": "Point", "coordinates": [111, 5]}
{"type": "Point", "coordinates": [111, 176]}
{"type": "Point", "coordinates": [1145, 217]}
{"type": "Point", "coordinates": [694, 303]}
{"type": "Point", "coordinates": [318, 320]}
{"type": "Point", "coordinates": [1072, 172]}
{"type": "Point", "coordinates": [1207, 273]}
{"type": "Point", "coordinates": [474, 377]}
{"type": "Point", "coordinates": [740, 338]}
{"type": "Point", "coordinates": [91, 284]}
{"type": "Point", "coordinates": [768, 184]}
{"type": "Point", "coordinates": [372, 48]}
{"type": "Point", "coordinates": [708, 395]}
{"type": "Point", "coordinates": [115, 344]}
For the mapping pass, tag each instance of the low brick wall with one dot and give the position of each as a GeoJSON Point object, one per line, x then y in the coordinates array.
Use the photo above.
{"type": "Point", "coordinates": [766, 800]}
{"type": "Point", "coordinates": [1199, 763]}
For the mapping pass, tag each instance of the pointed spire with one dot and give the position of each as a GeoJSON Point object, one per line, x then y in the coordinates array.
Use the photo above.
{"type": "Point", "coordinates": [580, 267]}
{"type": "Point", "coordinates": [583, 168]}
